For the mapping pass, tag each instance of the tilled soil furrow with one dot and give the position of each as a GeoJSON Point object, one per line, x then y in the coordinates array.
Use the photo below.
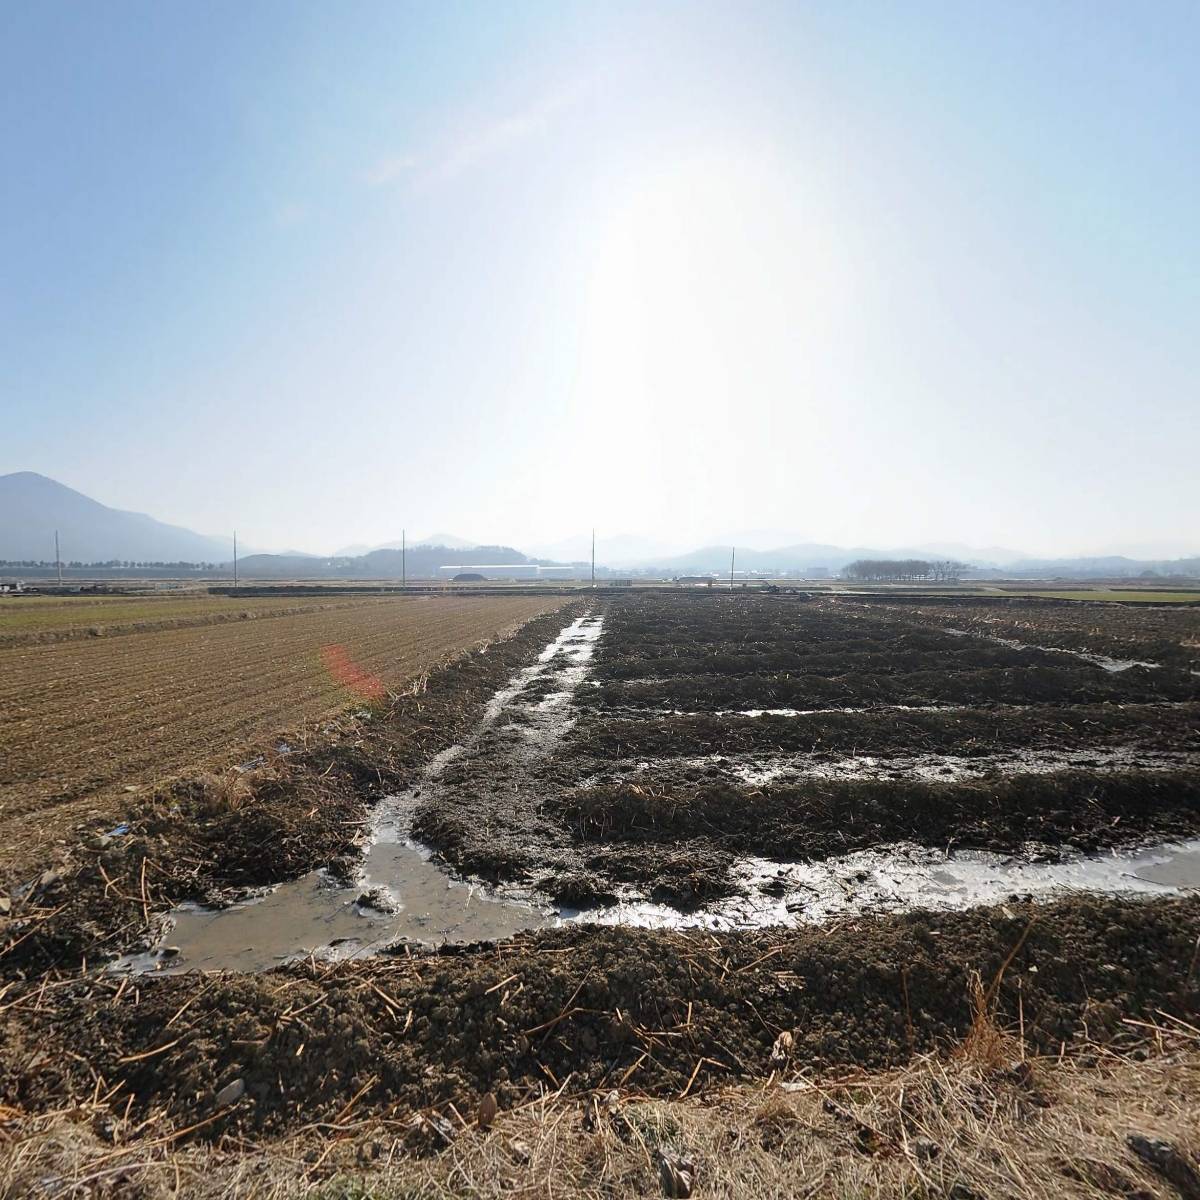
{"type": "Point", "coordinates": [953, 731]}
{"type": "Point", "coordinates": [1080, 809]}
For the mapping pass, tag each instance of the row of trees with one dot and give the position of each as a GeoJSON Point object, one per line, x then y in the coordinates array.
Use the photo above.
{"type": "Point", "coordinates": [109, 564]}
{"type": "Point", "coordinates": [904, 570]}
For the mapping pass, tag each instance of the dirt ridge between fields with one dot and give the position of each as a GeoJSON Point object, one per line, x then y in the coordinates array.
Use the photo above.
{"type": "Point", "coordinates": [585, 1008]}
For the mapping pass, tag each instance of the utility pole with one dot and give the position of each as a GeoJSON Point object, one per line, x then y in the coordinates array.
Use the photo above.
{"type": "Point", "coordinates": [235, 581]}
{"type": "Point", "coordinates": [593, 558]}
{"type": "Point", "coordinates": [403, 557]}
{"type": "Point", "coordinates": [57, 559]}
{"type": "Point", "coordinates": [732, 558]}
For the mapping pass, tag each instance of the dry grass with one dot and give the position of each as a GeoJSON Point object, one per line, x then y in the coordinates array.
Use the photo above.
{"type": "Point", "coordinates": [223, 792]}
{"type": "Point", "coordinates": [971, 1124]}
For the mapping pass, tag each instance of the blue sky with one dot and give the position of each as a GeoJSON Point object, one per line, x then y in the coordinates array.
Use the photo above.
{"type": "Point", "coordinates": [863, 273]}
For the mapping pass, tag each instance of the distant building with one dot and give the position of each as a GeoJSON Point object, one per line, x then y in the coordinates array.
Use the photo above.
{"type": "Point", "coordinates": [816, 572]}
{"type": "Point", "coordinates": [695, 580]}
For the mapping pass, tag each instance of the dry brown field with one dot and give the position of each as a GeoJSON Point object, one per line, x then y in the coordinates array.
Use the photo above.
{"type": "Point", "coordinates": [85, 718]}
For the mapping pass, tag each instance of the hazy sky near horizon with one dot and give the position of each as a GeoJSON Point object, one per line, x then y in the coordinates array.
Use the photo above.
{"type": "Point", "coordinates": [874, 273]}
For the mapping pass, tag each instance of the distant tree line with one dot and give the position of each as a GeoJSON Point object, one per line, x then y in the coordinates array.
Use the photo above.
{"type": "Point", "coordinates": [108, 564]}
{"type": "Point", "coordinates": [904, 570]}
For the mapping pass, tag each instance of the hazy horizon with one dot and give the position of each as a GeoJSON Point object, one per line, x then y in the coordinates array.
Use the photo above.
{"type": "Point", "coordinates": [612, 549]}
{"type": "Point", "coordinates": [864, 274]}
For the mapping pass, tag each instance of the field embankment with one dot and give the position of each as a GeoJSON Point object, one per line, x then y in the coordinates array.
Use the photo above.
{"type": "Point", "coordinates": [599, 1028]}
{"type": "Point", "coordinates": [983, 1122]}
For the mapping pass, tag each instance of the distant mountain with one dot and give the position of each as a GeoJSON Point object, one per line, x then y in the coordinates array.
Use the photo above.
{"type": "Point", "coordinates": [620, 550]}
{"type": "Point", "coordinates": [1160, 551]}
{"type": "Point", "coordinates": [32, 507]}
{"type": "Point", "coordinates": [783, 558]}
{"type": "Point", "coordinates": [358, 549]}
{"type": "Point", "coordinates": [804, 555]}
{"type": "Point", "coordinates": [420, 562]}
{"type": "Point", "coordinates": [1109, 566]}
{"type": "Point", "coordinates": [443, 539]}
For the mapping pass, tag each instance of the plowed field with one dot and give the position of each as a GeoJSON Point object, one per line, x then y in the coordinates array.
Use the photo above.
{"type": "Point", "coordinates": [83, 717]}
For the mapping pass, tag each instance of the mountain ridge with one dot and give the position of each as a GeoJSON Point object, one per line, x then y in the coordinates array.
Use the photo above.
{"type": "Point", "coordinates": [34, 506]}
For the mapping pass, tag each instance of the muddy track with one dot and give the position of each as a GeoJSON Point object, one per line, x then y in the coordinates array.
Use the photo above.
{"type": "Point", "coordinates": [986, 685]}
{"type": "Point", "coordinates": [856, 660]}
{"type": "Point", "coordinates": [960, 731]}
{"type": "Point", "coordinates": [816, 819]}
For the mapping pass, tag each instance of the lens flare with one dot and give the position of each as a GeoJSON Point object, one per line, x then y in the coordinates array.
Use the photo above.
{"type": "Point", "coordinates": [347, 674]}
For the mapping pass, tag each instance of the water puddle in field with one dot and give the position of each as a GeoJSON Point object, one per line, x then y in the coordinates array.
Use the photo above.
{"type": "Point", "coordinates": [816, 712]}
{"type": "Point", "coordinates": [305, 918]}
{"type": "Point", "coordinates": [1114, 665]}
{"type": "Point", "coordinates": [759, 769]}
{"type": "Point", "coordinates": [312, 915]}
{"type": "Point", "coordinates": [634, 713]}
{"type": "Point", "coordinates": [900, 877]}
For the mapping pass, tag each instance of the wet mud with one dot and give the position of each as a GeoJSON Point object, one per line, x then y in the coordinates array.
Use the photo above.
{"type": "Point", "coordinates": [583, 1008]}
{"type": "Point", "coordinates": [655, 789]}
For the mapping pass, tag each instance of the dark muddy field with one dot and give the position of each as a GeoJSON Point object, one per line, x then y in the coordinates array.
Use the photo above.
{"type": "Point", "coordinates": [708, 728]}
{"type": "Point", "coordinates": [1168, 635]}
